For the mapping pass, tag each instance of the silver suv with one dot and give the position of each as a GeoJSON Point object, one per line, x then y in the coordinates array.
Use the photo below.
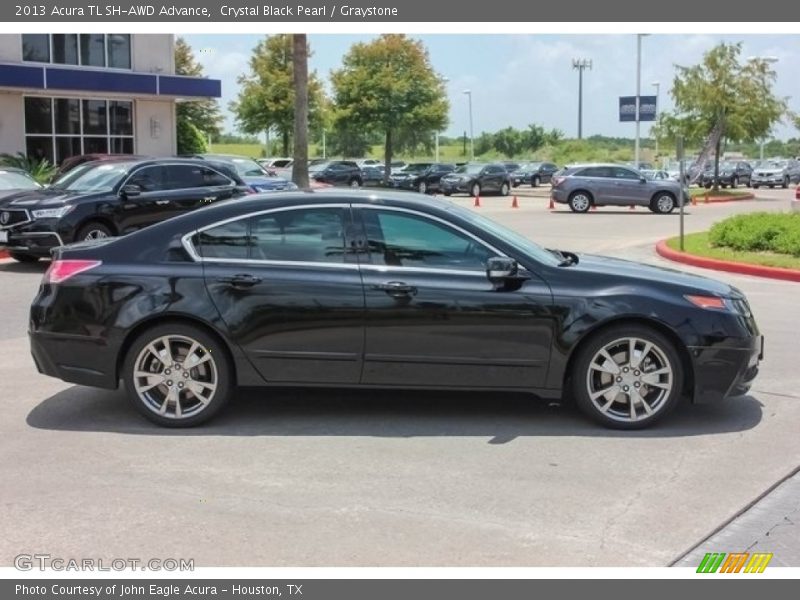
{"type": "Point", "coordinates": [584, 186]}
{"type": "Point", "coordinates": [776, 171]}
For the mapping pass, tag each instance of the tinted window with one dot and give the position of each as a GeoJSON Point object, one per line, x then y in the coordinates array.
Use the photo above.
{"type": "Point", "coordinates": [302, 235]}
{"type": "Point", "coordinates": [68, 115]}
{"type": "Point", "coordinates": [225, 241]}
{"type": "Point", "coordinates": [93, 49]}
{"type": "Point", "coordinates": [38, 115]}
{"type": "Point", "coordinates": [621, 173]}
{"type": "Point", "coordinates": [595, 172]}
{"type": "Point", "coordinates": [119, 51]}
{"type": "Point", "coordinates": [404, 240]}
{"type": "Point", "coordinates": [36, 47]}
{"type": "Point", "coordinates": [95, 119]}
{"type": "Point", "coordinates": [213, 178]}
{"type": "Point", "coordinates": [149, 179]}
{"type": "Point", "coordinates": [180, 177]}
{"type": "Point", "coordinates": [65, 48]}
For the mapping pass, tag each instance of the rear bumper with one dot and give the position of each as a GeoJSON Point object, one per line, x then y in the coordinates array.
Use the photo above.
{"type": "Point", "coordinates": [724, 372]}
{"type": "Point", "coordinates": [58, 355]}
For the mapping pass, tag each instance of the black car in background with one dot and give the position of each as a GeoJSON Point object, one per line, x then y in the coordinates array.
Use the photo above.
{"type": "Point", "coordinates": [476, 179]}
{"type": "Point", "coordinates": [111, 198]}
{"type": "Point", "coordinates": [337, 172]}
{"type": "Point", "coordinates": [534, 173]}
{"type": "Point", "coordinates": [383, 290]}
{"type": "Point", "coordinates": [372, 174]}
{"type": "Point", "coordinates": [424, 178]}
{"type": "Point", "coordinates": [731, 173]}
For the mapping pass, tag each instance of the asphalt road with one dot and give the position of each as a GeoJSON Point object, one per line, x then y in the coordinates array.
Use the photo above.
{"type": "Point", "coordinates": [314, 478]}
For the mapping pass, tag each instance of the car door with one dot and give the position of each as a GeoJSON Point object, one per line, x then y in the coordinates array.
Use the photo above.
{"type": "Point", "coordinates": [288, 294]}
{"type": "Point", "coordinates": [434, 319]}
{"type": "Point", "coordinates": [143, 199]}
{"type": "Point", "coordinates": [599, 181]}
{"type": "Point", "coordinates": [547, 170]}
{"type": "Point", "coordinates": [189, 187]}
{"type": "Point", "coordinates": [629, 187]}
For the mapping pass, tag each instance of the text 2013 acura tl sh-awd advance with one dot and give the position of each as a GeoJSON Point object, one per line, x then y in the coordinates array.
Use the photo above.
{"type": "Point", "coordinates": [343, 288]}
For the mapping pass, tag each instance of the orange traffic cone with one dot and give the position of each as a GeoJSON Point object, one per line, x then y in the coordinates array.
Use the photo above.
{"type": "Point", "coordinates": [477, 203]}
{"type": "Point", "coordinates": [694, 200]}
{"type": "Point", "coordinates": [552, 204]}
{"type": "Point", "coordinates": [514, 203]}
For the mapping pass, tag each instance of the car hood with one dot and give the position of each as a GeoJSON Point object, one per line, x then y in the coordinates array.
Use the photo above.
{"type": "Point", "coordinates": [770, 171]}
{"type": "Point", "coordinates": [45, 198]}
{"type": "Point", "coordinates": [266, 183]}
{"type": "Point", "coordinates": [617, 267]}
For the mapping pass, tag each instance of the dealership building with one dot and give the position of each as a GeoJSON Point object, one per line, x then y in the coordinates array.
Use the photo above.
{"type": "Point", "coordinates": [67, 94]}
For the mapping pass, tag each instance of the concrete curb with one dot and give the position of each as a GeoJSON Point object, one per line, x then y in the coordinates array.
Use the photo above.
{"type": "Point", "coordinates": [715, 199]}
{"type": "Point", "coordinates": [724, 265]}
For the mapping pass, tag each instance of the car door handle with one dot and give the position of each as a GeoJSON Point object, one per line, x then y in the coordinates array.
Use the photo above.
{"type": "Point", "coordinates": [396, 289]}
{"type": "Point", "coordinates": [162, 202]}
{"type": "Point", "coordinates": [242, 280]}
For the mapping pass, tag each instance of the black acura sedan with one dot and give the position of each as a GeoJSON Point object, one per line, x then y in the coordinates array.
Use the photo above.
{"type": "Point", "coordinates": [348, 288]}
{"type": "Point", "coordinates": [110, 198]}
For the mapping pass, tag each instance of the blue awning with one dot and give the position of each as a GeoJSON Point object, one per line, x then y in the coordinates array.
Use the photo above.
{"type": "Point", "coordinates": [44, 77]}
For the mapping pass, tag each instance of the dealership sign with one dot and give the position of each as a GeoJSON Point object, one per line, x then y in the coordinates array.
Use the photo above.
{"type": "Point", "coordinates": [647, 108]}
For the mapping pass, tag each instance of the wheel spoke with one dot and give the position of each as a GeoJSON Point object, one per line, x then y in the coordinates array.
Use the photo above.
{"type": "Point", "coordinates": [614, 368]}
{"type": "Point", "coordinates": [637, 397]}
{"type": "Point", "coordinates": [653, 378]}
{"type": "Point", "coordinates": [632, 406]}
{"type": "Point", "coordinates": [613, 388]}
{"type": "Point", "coordinates": [163, 409]}
{"type": "Point", "coordinates": [167, 350]}
{"type": "Point", "coordinates": [153, 380]}
{"type": "Point", "coordinates": [636, 361]}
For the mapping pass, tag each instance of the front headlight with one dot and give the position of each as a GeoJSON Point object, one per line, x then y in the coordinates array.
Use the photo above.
{"type": "Point", "coordinates": [51, 213]}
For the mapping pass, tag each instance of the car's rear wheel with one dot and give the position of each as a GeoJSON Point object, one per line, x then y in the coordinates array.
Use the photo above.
{"type": "Point", "coordinates": [663, 203]}
{"type": "Point", "coordinates": [756, 186]}
{"type": "Point", "coordinates": [627, 377]}
{"type": "Point", "coordinates": [177, 375]}
{"type": "Point", "coordinates": [504, 189]}
{"type": "Point", "coordinates": [785, 183]}
{"type": "Point", "coordinates": [535, 181]}
{"type": "Point", "coordinates": [579, 202]}
{"type": "Point", "coordinates": [23, 258]}
{"type": "Point", "coordinates": [422, 187]}
{"type": "Point", "coordinates": [94, 230]}
{"type": "Point", "coordinates": [476, 189]}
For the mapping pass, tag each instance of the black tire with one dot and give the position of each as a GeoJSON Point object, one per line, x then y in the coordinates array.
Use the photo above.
{"type": "Point", "coordinates": [515, 185]}
{"type": "Point", "coordinates": [580, 201]}
{"type": "Point", "coordinates": [582, 377]}
{"type": "Point", "coordinates": [447, 193]}
{"type": "Point", "coordinates": [354, 183]}
{"type": "Point", "coordinates": [504, 189]}
{"type": "Point", "coordinates": [756, 186]}
{"type": "Point", "coordinates": [209, 345]}
{"type": "Point", "coordinates": [475, 189]}
{"type": "Point", "coordinates": [734, 183]}
{"type": "Point", "coordinates": [663, 203]}
{"type": "Point", "coordinates": [772, 187]}
{"type": "Point", "coordinates": [785, 183]}
{"type": "Point", "coordinates": [23, 258]}
{"type": "Point", "coordinates": [93, 230]}
{"type": "Point", "coordinates": [535, 181]}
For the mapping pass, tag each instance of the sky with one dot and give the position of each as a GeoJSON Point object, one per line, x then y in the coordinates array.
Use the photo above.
{"type": "Point", "coordinates": [517, 80]}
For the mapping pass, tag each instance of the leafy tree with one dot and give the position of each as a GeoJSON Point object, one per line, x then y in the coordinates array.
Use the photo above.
{"type": "Point", "coordinates": [266, 97]}
{"type": "Point", "coordinates": [300, 74]}
{"type": "Point", "coordinates": [203, 114]}
{"type": "Point", "coordinates": [190, 139]}
{"type": "Point", "coordinates": [723, 90]}
{"type": "Point", "coordinates": [484, 143]}
{"type": "Point", "coordinates": [388, 85]}
{"type": "Point", "coordinates": [508, 142]}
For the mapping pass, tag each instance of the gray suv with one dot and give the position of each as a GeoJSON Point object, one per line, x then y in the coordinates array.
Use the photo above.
{"type": "Point", "coordinates": [776, 171]}
{"type": "Point", "coordinates": [584, 186]}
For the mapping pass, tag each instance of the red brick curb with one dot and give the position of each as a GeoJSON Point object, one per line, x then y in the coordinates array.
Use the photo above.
{"type": "Point", "coordinates": [725, 265]}
{"type": "Point", "coordinates": [714, 199]}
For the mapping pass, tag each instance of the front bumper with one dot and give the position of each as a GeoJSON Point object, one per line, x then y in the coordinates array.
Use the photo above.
{"type": "Point", "coordinates": [35, 243]}
{"type": "Point", "coordinates": [452, 187]}
{"type": "Point", "coordinates": [768, 179]}
{"type": "Point", "coordinates": [725, 371]}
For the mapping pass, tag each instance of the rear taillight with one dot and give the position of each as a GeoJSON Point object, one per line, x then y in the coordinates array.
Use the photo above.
{"type": "Point", "coordinates": [61, 270]}
{"type": "Point", "coordinates": [558, 181]}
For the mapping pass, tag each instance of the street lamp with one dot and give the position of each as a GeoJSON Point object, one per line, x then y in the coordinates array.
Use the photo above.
{"type": "Point", "coordinates": [768, 60]}
{"type": "Point", "coordinates": [581, 64]}
{"type": "Point", "coordinates": [471, 133]}
{"type": "Point", "coordinates": [657, 85]}
{"type": "Point", "coordinates": [444, 81]}
{"type": "Point", "coordinates": [639, 37]}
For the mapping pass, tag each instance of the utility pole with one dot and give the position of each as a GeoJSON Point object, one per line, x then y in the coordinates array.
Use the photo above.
{"type": "Point", "coordinates": [471, 132]}
{"type": "Point", "coordinates": [639, 37]}
{"type": "Point", "coordinates": [581, 64]}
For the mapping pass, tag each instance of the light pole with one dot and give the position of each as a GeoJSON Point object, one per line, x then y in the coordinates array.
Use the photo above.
{"type": "Point", "coordinates": [639, 37]}
{"type": "Point", "coordinates": [768, 60]}
{"type": "Point", "coordinates": [471, 133]}
{"type": "Point", "coordinates": [444, 80]}
{"type": "Point", "coordinates": [657, 85]}
{"type": "Point", "coordinates": [580, 64]}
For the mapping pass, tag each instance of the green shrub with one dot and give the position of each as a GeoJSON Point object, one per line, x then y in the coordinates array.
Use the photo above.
{"type": "Point", "coordinates": [41, 170]}
{"type": "Point", "coordinates": [759, 232]}
{"type": "Point", "coordinates": [190, 140]}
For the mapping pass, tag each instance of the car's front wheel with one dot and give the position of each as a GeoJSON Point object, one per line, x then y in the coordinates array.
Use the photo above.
{"type": "Point", "coordinates": [504, 189]}
{"type": "Point", "coordinates": [422, 187]}
{"type": "Point", "coordinates": [579, 202]}
{"type": "Point", "coordinates": [535, 181]}
{"type": "Point", "coordinates": [627, 377]}
{"type": "Point", "coordinates": [476, 189]}
{"type": "Point", "coordinates": [94, 230]}
{"type": "Point", "coordinates": [23, 258]}
{"type": "Point", "coordinates": [785, 183]}
{"type": "Point", "coordinates": [663, 204]}
{"type": "Point", "coordinates": [177, 375]}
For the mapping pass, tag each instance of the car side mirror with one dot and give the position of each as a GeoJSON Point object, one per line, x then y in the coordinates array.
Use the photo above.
{"type": "Point", "coordinates": [131, 190]}
{"type": "Point", "coordinates": [500, 268]}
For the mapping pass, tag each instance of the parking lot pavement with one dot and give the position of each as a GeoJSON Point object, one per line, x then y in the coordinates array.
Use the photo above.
{"type": "Point", "coordinates": [392, 478]}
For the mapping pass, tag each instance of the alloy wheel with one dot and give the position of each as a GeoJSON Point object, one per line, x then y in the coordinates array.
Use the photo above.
{"type": "Point", "coordinates": [629, 379]}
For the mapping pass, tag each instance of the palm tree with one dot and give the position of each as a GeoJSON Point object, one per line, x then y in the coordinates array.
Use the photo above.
{"type": "Point", "coordinates": [300, 68]}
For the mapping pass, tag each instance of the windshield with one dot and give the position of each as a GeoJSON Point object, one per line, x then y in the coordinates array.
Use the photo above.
{"type": "Point", "coordinates": [16, 181]}
{"type": "Point", "coordinates": [416, 167]}
{"type": "Point", "coordinates": [470, 169]}
{"type": "Point", "coordinates": [772, 164]}
{"type": "Point", "coordinates": [727, 166]}
{"type": "Point", "coordinates": [247, 167]}
{"type": "Point", "coordinates": [318, 167]}
{"type": "Point", "coordinates": [517, 240]}
{"type": "Point", "coordinates": [94, 177]}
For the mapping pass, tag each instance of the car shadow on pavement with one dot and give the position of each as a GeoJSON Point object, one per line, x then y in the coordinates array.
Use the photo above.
{"type": "Point", "coordinates": [501, 417]}
{"type": "Point", "coordinates": [17, 267]}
